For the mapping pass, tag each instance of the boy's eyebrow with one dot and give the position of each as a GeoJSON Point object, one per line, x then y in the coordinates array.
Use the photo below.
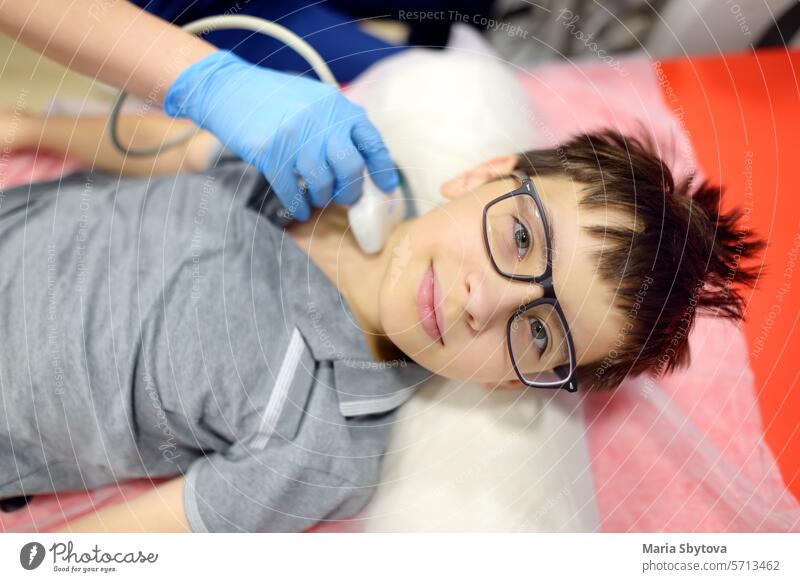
{"type": "Point", "coordinates": [548, 215]}
{"type": "Point", "coordinates": [550, 225]}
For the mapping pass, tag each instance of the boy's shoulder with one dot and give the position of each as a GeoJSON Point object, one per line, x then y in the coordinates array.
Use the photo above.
{"type": "Point", "coordinates": [314, 452]}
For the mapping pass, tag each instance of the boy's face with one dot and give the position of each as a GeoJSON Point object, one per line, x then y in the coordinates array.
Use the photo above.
{"type": "Point", "coordinates": [473, 302]}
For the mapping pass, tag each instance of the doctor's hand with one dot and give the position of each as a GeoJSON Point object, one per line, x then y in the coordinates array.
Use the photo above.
{"type": "Point", "coordinates": [288, 127]}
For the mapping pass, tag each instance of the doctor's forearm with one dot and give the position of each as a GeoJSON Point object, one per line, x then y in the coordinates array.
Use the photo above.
{"type": "Point", "coordinates": [113, 41]}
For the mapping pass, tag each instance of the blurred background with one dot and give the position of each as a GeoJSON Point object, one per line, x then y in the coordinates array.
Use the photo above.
{"type": "Point", "coordinates": [522, 32]}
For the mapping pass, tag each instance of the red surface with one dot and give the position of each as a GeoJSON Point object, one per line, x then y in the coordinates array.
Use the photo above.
{"type": "Point", "coordinates": [743, 113]}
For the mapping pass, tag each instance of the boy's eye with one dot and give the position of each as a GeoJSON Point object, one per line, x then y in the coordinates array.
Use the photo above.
{"type": "Point", "coordinates": [522, 239]}
{"type": "Point", "coordinates": [538, 334]}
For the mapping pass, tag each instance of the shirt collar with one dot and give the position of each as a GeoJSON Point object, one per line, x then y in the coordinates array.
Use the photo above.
{"type": "Point", "coordinates": [330, 330]}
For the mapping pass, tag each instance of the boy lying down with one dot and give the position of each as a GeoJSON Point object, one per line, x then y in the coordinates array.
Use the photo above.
{"type": "Point", "coordinates": [161, 326]}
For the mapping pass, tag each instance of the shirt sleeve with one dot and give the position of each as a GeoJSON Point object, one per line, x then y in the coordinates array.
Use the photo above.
{"type": "Point", "coordinates": [276, 489]}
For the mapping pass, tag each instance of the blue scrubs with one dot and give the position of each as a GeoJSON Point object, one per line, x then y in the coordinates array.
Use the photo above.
{"type": "Point", "coordinates": [330, 27]}
{"type": "Point", "coordinates": [345, 47]}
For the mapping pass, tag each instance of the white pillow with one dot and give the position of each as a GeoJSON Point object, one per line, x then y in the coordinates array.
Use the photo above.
{"type": "Point", "coordinates": [463, 458]}
{"type": "Point", "coordinates": [442, 112]}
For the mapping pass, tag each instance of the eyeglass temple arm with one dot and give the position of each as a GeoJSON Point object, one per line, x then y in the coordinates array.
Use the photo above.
{"type": "Point", "coordinates": [563, 370]}
{"type": "Point", "coordinates": [519, 175]}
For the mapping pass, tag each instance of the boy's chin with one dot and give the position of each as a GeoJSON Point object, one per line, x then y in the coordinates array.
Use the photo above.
{"type": "Point", "coordinates": [470, 377]}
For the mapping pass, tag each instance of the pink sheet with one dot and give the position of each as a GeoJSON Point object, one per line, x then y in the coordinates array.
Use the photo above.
{"type": "Point", "coordinates": [683, 453]}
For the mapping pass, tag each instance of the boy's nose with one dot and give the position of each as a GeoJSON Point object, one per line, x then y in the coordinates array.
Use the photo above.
{"type": "Point", "coordinates": [492, 298]}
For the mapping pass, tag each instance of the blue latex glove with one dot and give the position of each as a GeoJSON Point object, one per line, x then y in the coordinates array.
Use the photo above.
{"type": "Point", "coordinates": [287, 127]}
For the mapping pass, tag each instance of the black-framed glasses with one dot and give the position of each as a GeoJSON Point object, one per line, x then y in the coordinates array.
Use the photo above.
{"type": "Point", "coordinates": [518, 241]}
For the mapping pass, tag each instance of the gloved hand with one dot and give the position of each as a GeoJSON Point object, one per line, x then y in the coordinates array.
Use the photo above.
{"type": "Point", "coordinates": [287, 127]}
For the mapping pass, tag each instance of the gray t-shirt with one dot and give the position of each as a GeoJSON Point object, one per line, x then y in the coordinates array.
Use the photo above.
{"type": "Point", "coordinates": [158, 327]}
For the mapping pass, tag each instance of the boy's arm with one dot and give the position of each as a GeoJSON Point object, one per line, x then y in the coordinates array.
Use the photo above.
{"type": "Point", "coordinates": [85, 138]}
{"type": "Point", "coordinates": [157, 511]}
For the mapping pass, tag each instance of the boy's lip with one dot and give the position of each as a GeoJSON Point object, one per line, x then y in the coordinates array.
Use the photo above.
{"type": "Point", "coordinates": [427, 295]}
{"type": "Point", "coordinates": [438, 305]}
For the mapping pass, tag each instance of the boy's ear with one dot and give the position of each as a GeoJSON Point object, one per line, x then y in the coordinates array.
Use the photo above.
{"type": "Point", "coordinates": [479, 175]}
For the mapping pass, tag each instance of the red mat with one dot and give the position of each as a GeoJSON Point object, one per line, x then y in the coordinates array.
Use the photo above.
{"type": "Point", "coordinates": [742, 113]}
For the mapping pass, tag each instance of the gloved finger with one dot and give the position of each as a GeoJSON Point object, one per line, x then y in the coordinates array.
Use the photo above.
{"type": "Point", "coordinates": [369, 142]}
{"type": "Point", "coordinates": [314, 168]}
{"type": "Point", "coordinates": [293, 197]}
{"type": "Point", "coordinates": [348, 168]}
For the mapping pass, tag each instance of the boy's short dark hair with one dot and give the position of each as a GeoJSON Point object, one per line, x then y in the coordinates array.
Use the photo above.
{"type": "Point", "coordinates": [680, 255]}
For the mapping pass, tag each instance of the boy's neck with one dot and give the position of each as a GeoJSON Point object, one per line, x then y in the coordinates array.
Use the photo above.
{"type": "Point", "coordinates": [329, 243]}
